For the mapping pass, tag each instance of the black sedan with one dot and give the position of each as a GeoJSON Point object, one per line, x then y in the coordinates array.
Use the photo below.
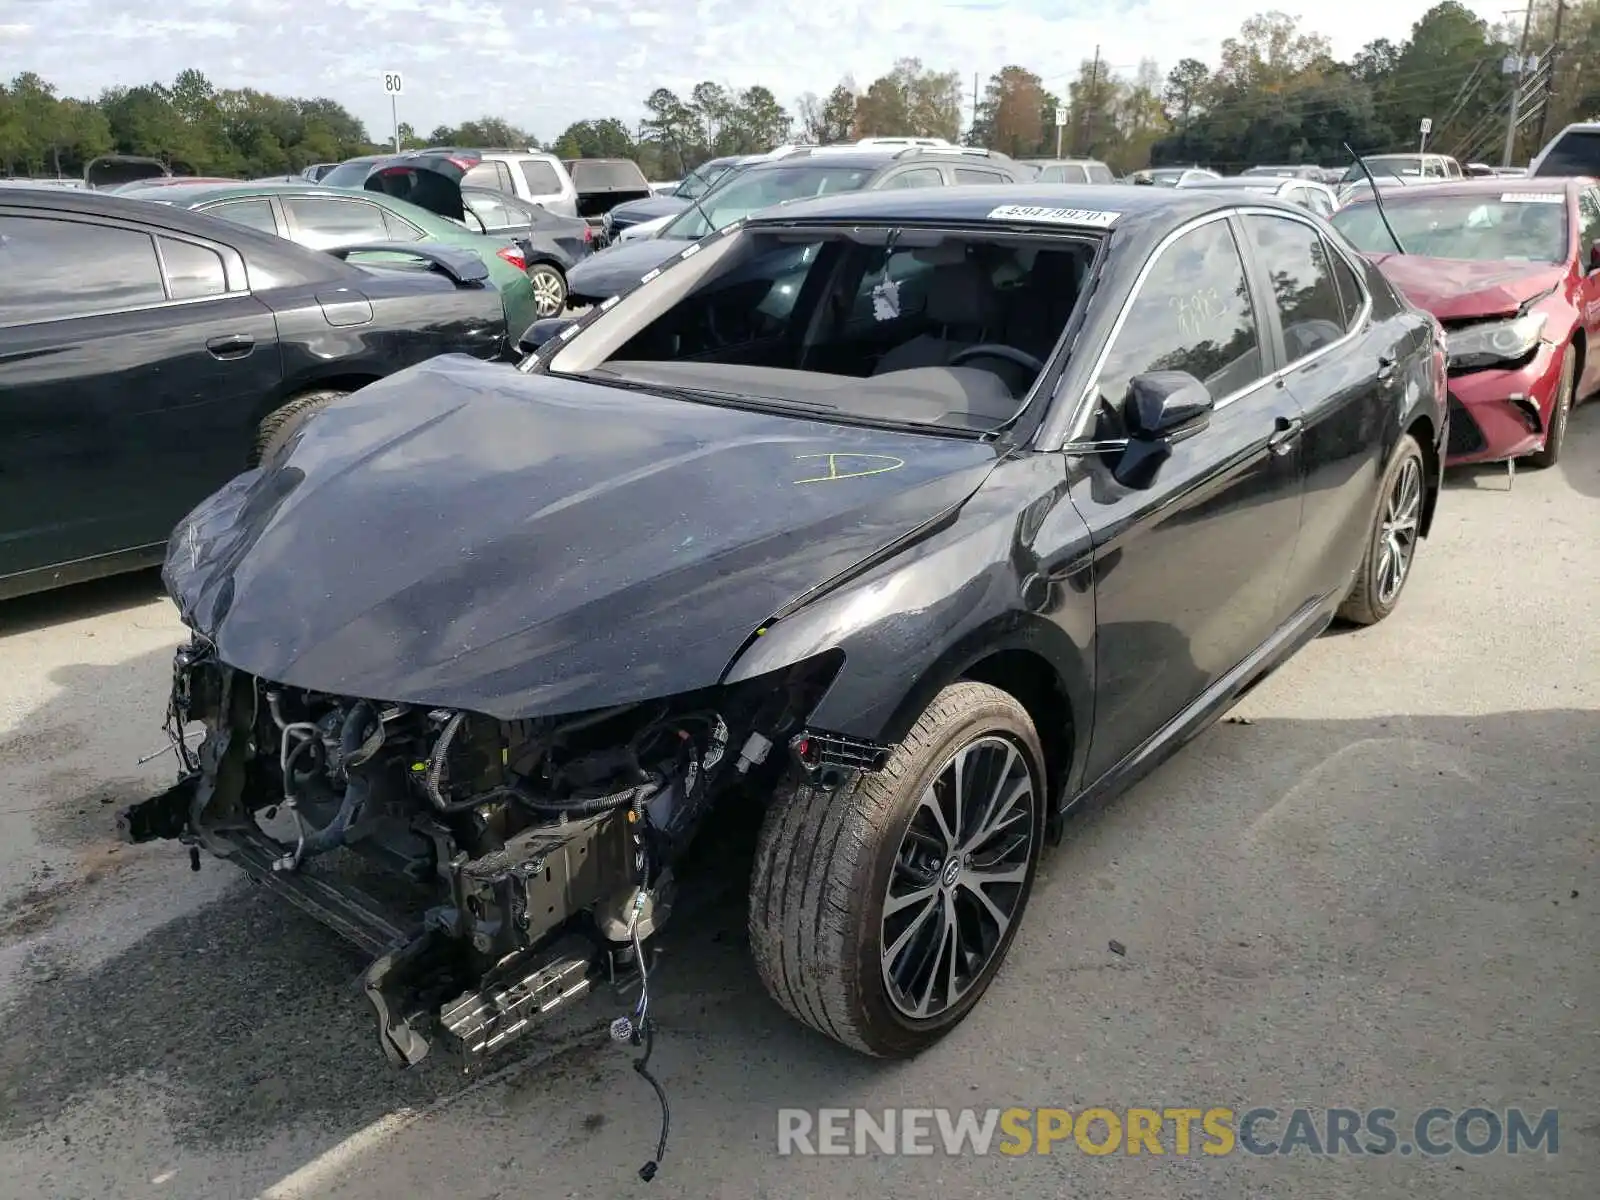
{"type": "Point", "coordinates": [545, 236]}
{"type": "Point", "coordinates": [148, 354]}
{"type": "Point", "coordinates": [917, 516]}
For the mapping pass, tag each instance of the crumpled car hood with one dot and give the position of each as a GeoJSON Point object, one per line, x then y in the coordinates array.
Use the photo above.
{"type": "Point", "coordinates": [616, 269]}
{"type": "Point", "coordinates": [465, 536]}
{"type": "Point", "coordinates": [1456, 289]}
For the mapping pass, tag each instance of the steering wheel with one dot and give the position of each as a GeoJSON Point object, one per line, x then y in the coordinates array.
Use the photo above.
{"type": "Point", "coordinates": [995, 350]}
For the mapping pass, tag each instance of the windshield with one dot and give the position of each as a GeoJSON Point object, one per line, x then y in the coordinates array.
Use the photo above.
{"type": "Point", "coordinates": [597, 176]}
{"type": "Point", "coordinates": [863, 324]}
{"type": "Point", "coordinates": [1575, 153]}
{"type": "Point", "coordinates": [700, 180]}
{"type": "Point", "coordinates": [351, 174]}
{"type": "Point", "coordinates": [1513, 227]}
{"type": "Point", "coordinates": [1401, 166]}
{"type": "Point", "coordinates": [758, 189]}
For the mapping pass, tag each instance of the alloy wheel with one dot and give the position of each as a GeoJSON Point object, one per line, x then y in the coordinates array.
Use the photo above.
{"type": "Point", "coordinates": [549, 294]}
{"type": "Point", "coordinates": [959, 876]}
{"type": "Point", "coordinates": [1397, 544]}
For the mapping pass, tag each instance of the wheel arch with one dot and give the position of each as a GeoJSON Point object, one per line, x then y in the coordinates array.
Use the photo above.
{"type": "Point", "coordinates": [1422, 429]}
{"type": "Point", "coordinates": [336, 381]}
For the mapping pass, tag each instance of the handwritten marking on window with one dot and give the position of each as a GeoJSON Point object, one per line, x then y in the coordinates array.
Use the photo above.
{"type": "Point", "coordinates": [839, 466]}
{"type": "Point", "coordinates": [1197, 311]}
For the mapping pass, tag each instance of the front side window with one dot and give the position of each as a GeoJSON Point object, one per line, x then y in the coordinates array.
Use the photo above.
{"type": "Point", "coordinates": [256, 214]}
{"type": "Point", "coordinates": [1523, 226]}
{"type": "Point", "coordinates": [1100, 173]}
{"type": "Point", "coordinates": [1576, 152]}
{"type": "Point", "coordinates": [323, 224]}
{"type": "Point", "coordinates": [757, 189]}
{"type": "Point", "coordinates": [701, 180]}
{"type": "Point", "coordinates": [1193, 313]}
{"type": "Point", "coordinates": [51, 269]}
{"type": "Point", "coordinates": [921, 177]}
{"type": "Point", "coordinates": [1589, 227]}
{"type": "Point", "coordinates": [1303, 289]}
{"type": "Point", "coordinates": [972, 175]}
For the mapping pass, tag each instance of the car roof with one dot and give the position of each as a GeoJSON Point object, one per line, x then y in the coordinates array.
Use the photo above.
{"type": "Point", "coordinates": [974, 203]}
{"type": "Point", "coordinates": [1053, 161]}
{"type": "Point", "coordinates": [189, 194]}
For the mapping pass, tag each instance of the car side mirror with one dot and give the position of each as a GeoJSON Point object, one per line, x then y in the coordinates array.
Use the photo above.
{"type": "Point", "coordinates": [1161, 409]}
{"type": "Point", "coordinates": [542, 331]}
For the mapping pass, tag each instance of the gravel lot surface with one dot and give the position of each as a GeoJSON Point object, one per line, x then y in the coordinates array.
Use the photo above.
{"type": "Point", "coordinates": [1379, 888]}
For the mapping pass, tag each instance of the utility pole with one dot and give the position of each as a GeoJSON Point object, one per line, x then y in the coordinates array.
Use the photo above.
{"type": "Point", "coordinates": [1550, 70]}
{"type": "Point", "coordinates": [1094, 89]}
{"type": "Point", "coordinates": [1516, 90]}
{"type": "Point", "coordinates": [974, 100]}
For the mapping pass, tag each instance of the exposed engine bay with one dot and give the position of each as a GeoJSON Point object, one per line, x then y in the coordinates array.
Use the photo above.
{"type": "Point", "coordinates": [542, 851]}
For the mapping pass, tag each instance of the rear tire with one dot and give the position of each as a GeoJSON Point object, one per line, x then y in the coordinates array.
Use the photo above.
{"type": "Point", "coordinates": [827, 865]}
{"type": "Point", "coordinates": [1550, 453]}
{"type": "Point", "coordinates": [280, 424]}
{"type": "Point", "coordinates": [549, 291]}
{"type": "Point", "coordinates": [1393, 540]}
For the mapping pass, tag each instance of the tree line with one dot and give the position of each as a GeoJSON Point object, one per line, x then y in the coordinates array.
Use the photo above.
{"type": "Point", "coordinates": [1276, 95]}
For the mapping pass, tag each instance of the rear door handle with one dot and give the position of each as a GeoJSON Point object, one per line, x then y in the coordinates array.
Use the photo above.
{"type": "Point", "coordinates": [231, 345]}
{"type": "Point", "coordinates": [1285, 431]}
{"type": "Point", "coordinates": [1386, 365]}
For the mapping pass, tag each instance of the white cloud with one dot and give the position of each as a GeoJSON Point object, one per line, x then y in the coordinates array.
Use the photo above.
{"type": "Point", "coordinates": [543, 64]}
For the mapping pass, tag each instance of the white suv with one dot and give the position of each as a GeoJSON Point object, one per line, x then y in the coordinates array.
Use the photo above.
{"type": "Point", "coordinates": [529, 175]}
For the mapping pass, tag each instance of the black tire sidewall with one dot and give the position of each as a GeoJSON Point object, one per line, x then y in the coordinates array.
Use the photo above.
{"type": "Point", "coordinates": [1561, 409]}
{"type": "Point", "coordinates": [894, 1033]}
{"type": "Point", "coordinates": [1406, 451]}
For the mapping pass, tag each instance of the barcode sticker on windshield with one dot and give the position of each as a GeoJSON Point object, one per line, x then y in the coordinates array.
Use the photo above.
{"type": "Point", "coordinates": [1054, 216]}
{"type": "Point", "coordinates": [1533, 198]}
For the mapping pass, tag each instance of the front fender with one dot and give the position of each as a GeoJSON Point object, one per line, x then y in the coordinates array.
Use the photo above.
{"type": "Point", "coordinates": [924, 618]}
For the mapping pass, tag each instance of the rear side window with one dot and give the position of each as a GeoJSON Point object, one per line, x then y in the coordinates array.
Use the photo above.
{"type": "Point", "coordinates": [398, 230]}
{"type": "Point", "coordinates": [1576, 152]}
{"type": "Point", "coordinates": [323, 224]}
{"type": "Point", "coordinates": [51, 269]}
{"type": "Point", "coordinates": [1064, 173]}
{"type": "Point", "coordinates": [192, 271]}
{"type": "Point", "coordinates": [257, 214]}
{"type": "Point", "coordinates": [972, 175]}
{"type": "Point", "coordinates": [540, 177]}
{"type": "Point", "coordinates": [1351, 294]}
{"type": "Point", "coordinates": [1100, 173]}
{"type": "Point", "coordinates": [1309, 306]}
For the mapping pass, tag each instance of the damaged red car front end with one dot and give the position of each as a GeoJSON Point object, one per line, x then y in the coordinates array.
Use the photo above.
{"type": "Point", "coordinates": [1506, 269]}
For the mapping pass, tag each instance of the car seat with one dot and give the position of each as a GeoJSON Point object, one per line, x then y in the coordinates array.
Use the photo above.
{"type": "Point", "coordinates": [962, 306]}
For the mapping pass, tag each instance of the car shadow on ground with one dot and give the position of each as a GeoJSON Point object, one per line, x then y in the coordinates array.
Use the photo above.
{"type": "Point", "coordinates": [245, 1015]}
{"type": "Point", "coordinates": [96, 598]}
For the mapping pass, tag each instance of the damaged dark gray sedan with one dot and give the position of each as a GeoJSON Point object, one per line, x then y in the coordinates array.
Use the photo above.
{"type": "Point", "coordinates": [916, 518]}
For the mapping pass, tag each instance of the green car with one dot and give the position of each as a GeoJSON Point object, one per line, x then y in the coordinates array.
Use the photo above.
{"type": "Point", "coordinates": [325, 218]}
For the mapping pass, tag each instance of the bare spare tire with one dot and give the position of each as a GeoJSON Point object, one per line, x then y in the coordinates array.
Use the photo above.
{"type": "Point", "coordinates": [842, 878]}
{"type": "Point", "coordinates": [280, 424]}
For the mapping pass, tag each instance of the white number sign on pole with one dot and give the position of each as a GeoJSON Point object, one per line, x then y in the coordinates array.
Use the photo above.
{"type": "Point", "coordinates": [1427, 126]}
{"type": "Point", "coordinates": [392, 83]}
{"type": "Point", "coordinates": [1061, 117]}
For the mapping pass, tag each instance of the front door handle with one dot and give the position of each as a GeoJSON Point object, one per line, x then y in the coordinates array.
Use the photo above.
{"type": "Point", "coordinates": [1386, 365]}
{"type": "Point", "coordinates": [231, 345]}
{"type": "Point", "coordinates": [1285, 431]}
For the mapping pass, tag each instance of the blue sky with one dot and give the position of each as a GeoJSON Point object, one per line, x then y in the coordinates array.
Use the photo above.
{"type": "Point", "coordinates": [543, 65]}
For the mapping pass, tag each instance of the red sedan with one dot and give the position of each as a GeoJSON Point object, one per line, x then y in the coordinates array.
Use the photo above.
{"type": "Point", "coordinates": [1511, 268]}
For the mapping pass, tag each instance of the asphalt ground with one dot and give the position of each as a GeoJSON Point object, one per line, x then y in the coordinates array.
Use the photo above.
{"type": "Point", "coordinates": [1373, 886]}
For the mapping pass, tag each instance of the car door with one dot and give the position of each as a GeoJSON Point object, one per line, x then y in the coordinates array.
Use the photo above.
{"type": "Point", "coordinates": [1341, 370]}
{"type": "Point", "coordinates": [130, 360]}
{"type": "Point", "coordinates": [1189, 572]}
{"type": "Point", "coordinates": [1589, 285]}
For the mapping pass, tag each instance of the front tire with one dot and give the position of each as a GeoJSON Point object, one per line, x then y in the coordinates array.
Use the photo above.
{"type": "Point", "coordinates": [880, 913]}
{"type": "Point", "coordinates": [1550, 453]}
{"type": "Point", "coordinates": [280, 424]}
{"type": "Point", "coordinates": [1393, 541]}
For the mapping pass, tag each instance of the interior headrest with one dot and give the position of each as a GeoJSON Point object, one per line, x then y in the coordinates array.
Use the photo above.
{"type": "Point", "coordinates": [961, 294]}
